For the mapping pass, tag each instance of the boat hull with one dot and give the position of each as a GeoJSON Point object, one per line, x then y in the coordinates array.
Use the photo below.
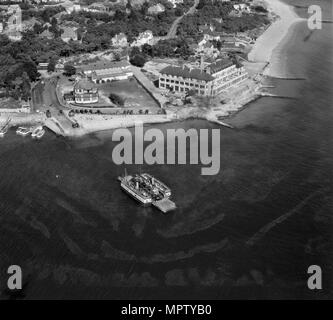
{"type": "Point", "coordinates": [144, 202]}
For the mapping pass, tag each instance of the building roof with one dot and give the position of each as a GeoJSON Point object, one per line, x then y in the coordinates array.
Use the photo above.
{"type": "Point", "coordinates": [85, 84]}
{"type": "Point", "coordinates": [46, 34]}
{"type": "Point", "coordinates": [104, 65]}
{"type": "Point", "coordinates": [156, 8]}
{"type": "Point", "coordinates": [120, 36]}
{"type": "Point", "coordinates": [186, 72]}
{"type": "Point", "coordinates": [219, 65]}
{"type": "Point", "coordinates": [69, 33]}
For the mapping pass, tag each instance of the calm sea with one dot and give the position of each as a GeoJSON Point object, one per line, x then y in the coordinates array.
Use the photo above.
{"type": "Point", "coordinates": [65, 221]}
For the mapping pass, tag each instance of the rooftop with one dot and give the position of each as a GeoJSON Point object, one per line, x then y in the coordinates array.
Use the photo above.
{"type": "Point", "coordinates": [186, 72]}
{"type": "Point", "coordinates": [219, 65]}
{"type": "Point", "coordinates": [84, 84]}
{"type": "Point", "coordinates": [104, 65]}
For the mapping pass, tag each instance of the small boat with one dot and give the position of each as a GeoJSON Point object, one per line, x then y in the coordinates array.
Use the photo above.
{"type": "Point", "coordinates": [22, 131]}
{"type": "Point", "coordinates": [38, 132]}
{"type": "Point", "coordinates": [4, 128]}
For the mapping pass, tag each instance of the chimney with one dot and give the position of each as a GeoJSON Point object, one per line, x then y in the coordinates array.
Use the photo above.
{"type": "Point", "coordinates": [201, 63]}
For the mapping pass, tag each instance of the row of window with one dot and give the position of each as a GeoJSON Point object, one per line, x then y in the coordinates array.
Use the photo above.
{"type": "Point", "coordinates": [181, 82]}
{"type": "Point", "coordinates": [181, 89]}
{"type": "Point", "coordinates": [189, 84]}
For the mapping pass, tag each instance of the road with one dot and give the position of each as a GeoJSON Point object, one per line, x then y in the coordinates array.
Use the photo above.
{"type": "Point", "coordinates": [173, 29]}
{"type": "Point", "coordinates": [44, 97]}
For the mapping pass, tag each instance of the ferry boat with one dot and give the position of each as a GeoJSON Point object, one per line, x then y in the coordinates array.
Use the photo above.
{"type": "Point", "coordinates": [147, 190]}
{"type": "Point", "coordinates": [133, 186]}
{"type": "Point", "coordinates": [4, 128]}
{"type": "Point", "coordinates": [160, 186]}
{"type": "Point", "coordinates": [23, 131]}
{"type": "Point", "coordinates": [38, 132]}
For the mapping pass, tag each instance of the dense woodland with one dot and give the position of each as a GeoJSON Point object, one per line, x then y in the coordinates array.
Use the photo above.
{"type": "Point", "coordinates": [209, 12]}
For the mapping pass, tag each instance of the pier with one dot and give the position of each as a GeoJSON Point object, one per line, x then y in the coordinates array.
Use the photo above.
{"type": "Point", "coordinates": [165, 205]}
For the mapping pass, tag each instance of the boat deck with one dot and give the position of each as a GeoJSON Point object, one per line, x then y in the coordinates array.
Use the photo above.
{"type": "Point", "coordinates": [165, 205]}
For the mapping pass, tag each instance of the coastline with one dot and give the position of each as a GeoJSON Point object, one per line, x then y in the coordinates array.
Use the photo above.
{"type": "Point", "coordinates": [268, 47]}
{"type": "Point", "coordinates": [267, 50]}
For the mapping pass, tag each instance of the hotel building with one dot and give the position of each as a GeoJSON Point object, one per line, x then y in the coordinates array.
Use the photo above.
{"type": "Point", "coordinates": [208, 81]}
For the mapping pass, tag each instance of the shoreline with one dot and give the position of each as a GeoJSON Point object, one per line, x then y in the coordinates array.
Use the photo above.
{"type": "Point", "coordinates": [268, 47]}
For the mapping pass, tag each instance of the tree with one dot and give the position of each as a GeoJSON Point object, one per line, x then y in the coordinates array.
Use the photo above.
{"type": "Point", "coordinates": [178, 12]}
{"type": "Point", "coordinates": [51, 66]}
{"type": "Point", "coordinates": [117, 100]}
{"type": "Point", "coordinates": [69, 70]}
{"type": "Point", "coordinates": [138, 60]}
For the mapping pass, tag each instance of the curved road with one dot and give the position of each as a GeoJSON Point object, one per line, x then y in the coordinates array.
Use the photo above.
{"type": "Point", "coordinates": [173, 29]}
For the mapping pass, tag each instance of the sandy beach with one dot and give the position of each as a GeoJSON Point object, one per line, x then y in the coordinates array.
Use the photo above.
{"type": "Point", "coordinates": [269, 45]}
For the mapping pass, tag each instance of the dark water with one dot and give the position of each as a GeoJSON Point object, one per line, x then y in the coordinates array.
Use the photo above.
{"type": "Point", "coordinates": [65, 221]}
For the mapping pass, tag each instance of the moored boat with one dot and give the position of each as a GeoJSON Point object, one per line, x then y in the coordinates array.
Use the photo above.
{"type": "Point", "coordinates": [38, 132]}
{"type": "Point", "coordinates": [23, 131]}
{"type": "Point", "coordinates": [147, 190]}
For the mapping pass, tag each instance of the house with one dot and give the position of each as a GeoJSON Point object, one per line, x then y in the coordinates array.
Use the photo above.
{"type": "Point", "coordinates": [85, 91]}
{"type": "Point", "coordinates": [107, 71]}
{"type": "Point", "coordinates": [42, 66]}
{"type": "Point", "coordinates": [47, 34]}
{"type": "Point", "coordinates": [207, 49]}
{"type": "Point", "coordinates": [69, 34]}
{"type": "Point", "coordinates": [208, 80]}
{"type": "Point", "coordinates": [242, 7]}
{"type": "Point", "coordinates": [71, 7]}
{"type": "Point", "coordinates": [14, 35]}
{"type": "Point", "coordinates": [156, 9]}
{"type": "Point", "coordinates": [29, 24]}
{"type": "Point", "coordinates": [12, 22]}
{"type": "Point", "coordinates": [175, 2]}
{"type": "Point", "coordinates": [143, 38]}
{"type": "Point", "coordinates": [97, 7]}
{"type": "Point", "coordinates": [59, 67]}
{"type": "Point", "coordinates": [119, 40]}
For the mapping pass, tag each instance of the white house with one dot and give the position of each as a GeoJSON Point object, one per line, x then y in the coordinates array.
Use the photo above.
{"type": "Point", "coordinates": [156, 9]}
{"type": "Point", "coordinates": [242, 7]}
{"type": "Point", "coordinates": [143, 38]}
{"type": "Point", "coordinates": [69, 34]}
{"type": "Point", "coordinates": [175, 2]}
{"type": "Point", "coordinates": [119, 40]}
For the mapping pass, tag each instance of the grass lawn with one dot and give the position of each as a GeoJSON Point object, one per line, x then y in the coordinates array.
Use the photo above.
{"type": "Point", "coordinates": [131, 91]}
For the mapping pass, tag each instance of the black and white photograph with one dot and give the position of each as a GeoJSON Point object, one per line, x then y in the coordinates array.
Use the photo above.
{"type": "Point", "coordinates": [166, 150]}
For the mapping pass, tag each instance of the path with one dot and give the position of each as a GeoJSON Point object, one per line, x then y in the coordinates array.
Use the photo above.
{"type": "Point", "coordinates": [173, 29]}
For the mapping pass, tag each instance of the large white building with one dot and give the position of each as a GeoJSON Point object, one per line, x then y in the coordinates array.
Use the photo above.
{"type": "Point", "coordinates": [107, 71]}
{"type": "Point", "coordinates": [205, 81]}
